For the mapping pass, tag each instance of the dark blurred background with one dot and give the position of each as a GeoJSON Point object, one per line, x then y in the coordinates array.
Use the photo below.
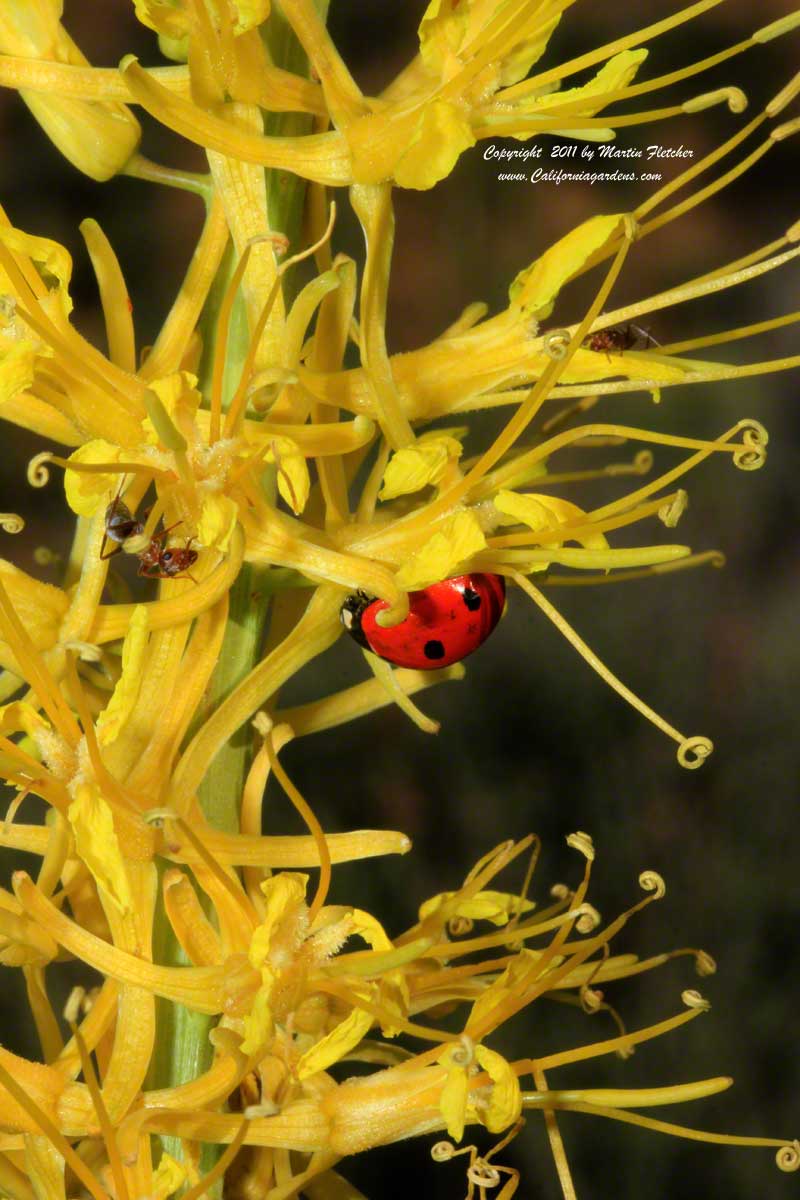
{"type": "Point", "coordinates": [532, 739]}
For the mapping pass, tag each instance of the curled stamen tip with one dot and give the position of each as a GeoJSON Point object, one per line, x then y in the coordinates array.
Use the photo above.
{"type": "Point", "coordinates": [279, 240]}
{"type": "Point", "coordinates": [671, 513]}
{"type": "Point", "coordinates": [483, 1174]}
{"type": "Point", "coordinates": [459, 926]}
{"type": "Point", "coordinates": [556, 343]}
{"type": "Point", "coordinates": [591, 1000]}
{"type": "Point", "coordinates": [463, 1052]}
{"type": "Point", "coordinates": [442, 1151]}
{"type": "Point", "coordinates": [734, 97]}
{"type": "Point", "coordinates": [704, 964]}
{"type": "Point", "coordinates": [694, 751]}
{"type": "Point", "coordinates": [397, 612]}
{"type": "Point", "coordinates": [788, 1157]}
{"type": "Point", "coordinates": [651, 881]}
{"type": "Point", "coordinates": [560, 891]}
{"type": "Point", "coordinates": [11, 522]}
{"type": "Point", "coordinates": [582, 843]}
{"type": "Point", "coordinates": [37, 473]}
{"type": "Point", "coordinates": [693, 999]}
{"type": "Point", "coordinates": [588, 918]}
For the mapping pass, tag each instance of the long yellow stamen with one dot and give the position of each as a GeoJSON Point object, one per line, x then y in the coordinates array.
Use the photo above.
{"type": "Point", "coordinates": [113, 297]}
{"type": "Point", "coordinates": [52, 1133]}
{"type": "Point", "coordinates": [692, 751]}
{"type": "Point", "coordinates": [314, 827]}
{"type": "Point", "coordinates": [177, 330]}
{"type": "Point", "coordinates": [106, 1128]}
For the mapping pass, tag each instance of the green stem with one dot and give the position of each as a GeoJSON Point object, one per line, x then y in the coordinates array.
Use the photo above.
{"type": "Point", "coordinates": [182, 1049]}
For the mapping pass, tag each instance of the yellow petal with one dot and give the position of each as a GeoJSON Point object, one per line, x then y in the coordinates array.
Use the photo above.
{"type": "Point", "coordinates": [97, 845]}
{"type": "Point", "coordinates": [442, 133]}
{"type": "Point", "coordinates": [419, 465]}
{"type": "Point", "coordinates": [17, 362]}
{"type": "Point", "coordinates": [179, 395]}
{"type": "Point", "coordinates": [524, 963]}
{"type": "Point", "coordinates": [51, 260]}
{"type": "Point", "coordinates": [534, 290]}
{"type": "Point", "coordinates": [41, 607]}
{"type": "Point", "coordinates": [453, 1098]}
{"type": "Point", "coordinates": [615, 74]}
{"type": "Point", "coordinates": [547, 512]}
{"type": "Point", "coordinates": [283, 894]}
{"type": "Point", "coordinates": [496, 907]}
{"type": "Point", "coordinates": [441, 33]}
{"type": "Point", "coordinates": [458, 538]}
{"type": "Point", "coordinates": [373, 933]}
{"type": "Point", "coordinates": [218, 516]}
{"type": "Point", "coordinates": [20, 716]}
{"type": "Point", "coordinates": [85, 491]}
{"type": "Point", "coordinates": [259, 1025]}
{"type": "Point", "coordinates": [294, 482]}
{"type": "Point", "coordinates": [505, 1103]}
{"type": "Point", "coordinates": [126, 692]}
{"type": "Point", "coordinates": [336, 1044]}
{"type": "Point", "coordinates": [168, 1177]}
{"type": "Point", "coordinates": [172, 20]}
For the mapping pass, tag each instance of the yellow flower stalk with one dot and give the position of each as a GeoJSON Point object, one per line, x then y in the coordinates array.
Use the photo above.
{"type": "Point", "coordinates": [266, 459]}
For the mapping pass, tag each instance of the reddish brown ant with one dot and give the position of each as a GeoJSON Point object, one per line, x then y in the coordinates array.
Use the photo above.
{"type": "Point", "coordinates": [619, 338]}
{"type": "Point", "coordinates": [156, 561]}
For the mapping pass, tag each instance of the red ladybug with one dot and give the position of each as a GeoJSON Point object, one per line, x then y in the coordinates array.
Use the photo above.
{"type": "Point", "coordinates": [445, 622]}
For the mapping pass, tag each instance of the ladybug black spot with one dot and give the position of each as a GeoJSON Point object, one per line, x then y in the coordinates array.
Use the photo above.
{"type": "Point", "coordinates": [433, 649]}
{"type": "Point", "coordinates": [472, 599]}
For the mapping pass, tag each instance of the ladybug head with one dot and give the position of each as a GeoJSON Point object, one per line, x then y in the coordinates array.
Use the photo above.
{"type": "Point", "coordinates": [350, 616]}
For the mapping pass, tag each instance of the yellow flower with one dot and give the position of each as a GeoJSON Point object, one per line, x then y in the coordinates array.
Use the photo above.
{"type": "Point", "coordinates": [245, 436]}
{"type": "Point", "coordinates": [97, 136]}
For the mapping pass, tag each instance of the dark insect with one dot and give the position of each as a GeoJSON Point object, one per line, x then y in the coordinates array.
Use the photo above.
{"type": "Point", "coordinates": [158, 561]}
{"type": "Point", "coordinates": [619, 338]}
{"type": "Point", "coordinates": [120, 525]}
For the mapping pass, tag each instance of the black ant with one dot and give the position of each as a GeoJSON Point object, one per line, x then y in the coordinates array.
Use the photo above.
{"type": "Point", "coordinates": [120, 525]}
{"type": "Point", "coordinates": [618, 338]}
{"type": "Point", "coordinates": [156, 561]}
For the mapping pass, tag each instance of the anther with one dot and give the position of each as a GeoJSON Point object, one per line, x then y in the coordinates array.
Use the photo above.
{"type": "Point", "coordinates": [734, 97]}
{"type": "Point", "coordinates": [37, 473]}
{"type": "Point", "coordinates": [693, 752]}
{"type": "Point", "coordinates": [693, 999]}
{"type": "Point", "coordinates": [11, 522]}
{"type": "Point", "coordinates": [588, 918]}
{"type": "Point", "coordinates": [583, 843]}
{"type": "Point", "coordinates": [788, 1157]}
{"type": "Point", "coordinates": [651, 881]}
{"type": "Point", "coordinates": [672, 512]}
